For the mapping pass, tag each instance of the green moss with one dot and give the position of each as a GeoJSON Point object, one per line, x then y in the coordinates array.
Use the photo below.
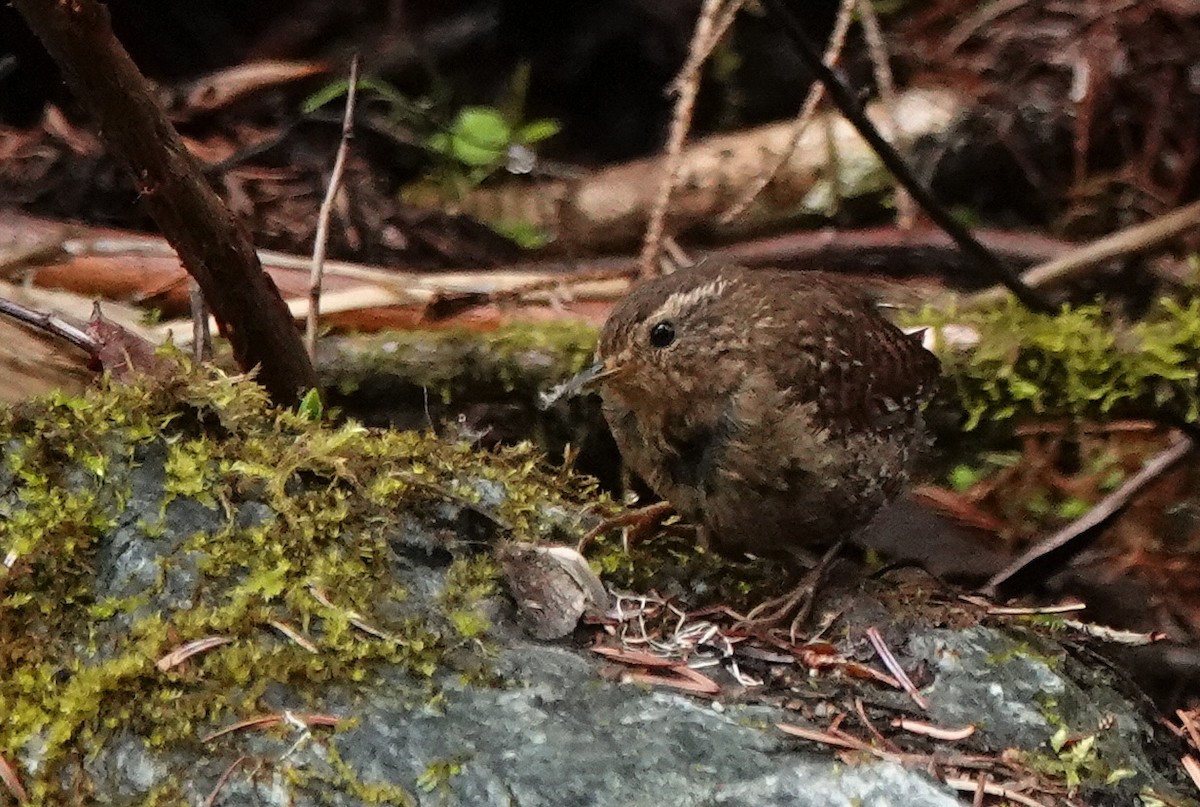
{"type": "Point", "coordinates": [1078, 364]}
{"type": "Point", "coordinates": [456, 362]}
{"type": "Point", "coordinates": [301, 518]}
{"type": "Point", "coordinates": [673, 564]}
{"type": "Point", "coordinates": [347, 779]}
{"type": "Point", "coordinates": [1076, 760]}
{"type": "Point", "coordinates": [469, 581]}
{"type": "Point", "coordinates": [437, 776]}
{"type": "Point", "coordinates": [190, 471]}
{"type": "Point", "coordinates": [1026, 649]}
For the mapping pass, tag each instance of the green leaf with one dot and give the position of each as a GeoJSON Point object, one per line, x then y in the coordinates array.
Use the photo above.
{"type": "Point", "coordinates": [479, 136]}
{"type": "Point", "coordinates": [1072, 509]}
{"type": "Point", "coordinates": [311, 406]}
{"type": "Point", "coordinates": [332, 90]}
{"type": "Point", "coordinates": [538, 130]}
{"type": "Point", "coordinates": [1059, 739]}
{"type": "Point", "coordinates": [964, 477]}
{"type": "Point", "coordinates": [523, 234]}
{"type": "Point", "coordinates": [337, 89]}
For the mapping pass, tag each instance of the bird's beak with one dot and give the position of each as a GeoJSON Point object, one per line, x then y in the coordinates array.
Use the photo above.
{"type": "Point", "coordinates": [580, 382]}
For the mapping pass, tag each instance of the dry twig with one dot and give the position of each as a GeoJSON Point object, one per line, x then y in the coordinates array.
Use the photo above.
{"type": "Point", "coordinates": [837, 39]}
{"type": "Point", "coordinates": [1128, 241]}
{"type": "Point", "coordinates": [266, 721]}
{"type": "Point", "coordinates": [893, 665]}
{"type": "Point", "coordinates": [221, 781]}
{"type": "Point", "coordinates": [201, 335]}
{"type": "Point", "coordinates": [186, 651]}
{"type": "Point", "coordinates": [1095, 519]}
{"type": "Point", "coordinates": [213, 246]}
{"type": "Point", "coordinates": [992, 789]}
{"type": "Point", "coordinates": [688, 83]}
{"type": "Point", "coordinates": [51, 324]}
{"type": "Point", "coordinates": [322, 236]}
{"type": "Point", "coordinates": [906, 211]}
{"type": "Point", "coordinates": [8, 775]}
{"type": "Point", "coordinates": [848, 104]}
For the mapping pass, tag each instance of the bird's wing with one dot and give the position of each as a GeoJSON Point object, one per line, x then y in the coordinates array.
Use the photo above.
{"type": "Point", "coordinates": [860, 369]}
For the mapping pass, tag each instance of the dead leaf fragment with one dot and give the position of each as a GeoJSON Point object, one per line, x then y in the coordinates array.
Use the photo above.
{"type": "Point", "coordinates": [553, 587]}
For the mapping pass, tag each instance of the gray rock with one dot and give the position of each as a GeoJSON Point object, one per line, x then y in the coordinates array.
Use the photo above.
{"type": "Point", "coordinates": [498, 719]}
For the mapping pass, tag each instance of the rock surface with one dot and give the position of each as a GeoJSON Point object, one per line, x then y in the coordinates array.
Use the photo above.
{"type": "Point", "coordinates": [349, 571]}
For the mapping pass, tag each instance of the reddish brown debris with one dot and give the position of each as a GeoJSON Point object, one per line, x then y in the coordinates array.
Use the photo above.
{"type": "Point", "coordinates": [12, 782]}
{"type": "Point", "coordinates": [266, 721]}
{"type": "Point", "coordinates": [181, 654]}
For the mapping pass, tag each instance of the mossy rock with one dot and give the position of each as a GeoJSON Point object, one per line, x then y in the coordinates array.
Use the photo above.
{"type": "Point", "coordinates": [338, 568]}
{"type": "Point", "coordinates": [134, 520]}
{"type": "Point", "coordinates": [1080, 364]}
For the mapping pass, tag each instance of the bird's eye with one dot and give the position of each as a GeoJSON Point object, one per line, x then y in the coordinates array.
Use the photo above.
{"type": "Point", "coordinates": [662, 334]}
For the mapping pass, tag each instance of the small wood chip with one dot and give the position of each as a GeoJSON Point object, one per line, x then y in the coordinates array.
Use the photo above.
{"type": "Point", "coordinates": [553, 587]}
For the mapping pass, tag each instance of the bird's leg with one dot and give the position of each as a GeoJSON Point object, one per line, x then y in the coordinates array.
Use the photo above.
{"type": "Point", "coordinates": [639, 522]}
{"type": "Point", "coordinates": [796, 603]}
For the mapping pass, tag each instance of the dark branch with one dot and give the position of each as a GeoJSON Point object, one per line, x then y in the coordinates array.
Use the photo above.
{"type": "Point", "coordinates": [849, 106]}
{"type": "Point", "coordinates": [214, 248]}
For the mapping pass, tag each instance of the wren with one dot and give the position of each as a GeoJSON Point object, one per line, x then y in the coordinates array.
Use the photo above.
{"type": "Point", "coordinates": [777, 411]}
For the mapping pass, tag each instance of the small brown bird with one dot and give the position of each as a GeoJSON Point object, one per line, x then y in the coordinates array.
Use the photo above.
{"type": "Point", "coordinates": [777, 411]}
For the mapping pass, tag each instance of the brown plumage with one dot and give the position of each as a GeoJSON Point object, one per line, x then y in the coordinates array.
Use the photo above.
{"type": "Point", "coordinates": [776, 410]}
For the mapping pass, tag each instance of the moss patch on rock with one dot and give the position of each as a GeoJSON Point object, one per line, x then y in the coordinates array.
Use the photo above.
{"type": "Point", "coordinates": [134, 520]}
{"type": "Point", "coordinates": [1079, 364]}
{"type": "Point", "coordinates": [522, 358]}
{"type": "Point", "coordinates": [1082, 363]}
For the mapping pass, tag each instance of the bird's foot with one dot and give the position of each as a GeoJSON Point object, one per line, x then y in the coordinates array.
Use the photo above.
{"type": "Point", "coordinates": [795, 604]}
{"type": "Point", "coordinates": [636, 524]}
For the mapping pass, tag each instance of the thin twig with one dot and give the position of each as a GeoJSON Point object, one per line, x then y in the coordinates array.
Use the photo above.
{"type": "Point", "coordinates": [1127, 241]}
{"type": "Point", "coordinates": [906, 211]}
{"type": "Point", "coordinates": [936, 732]}
{"type": "Point", "coordinates": [980, 790]}
{"type": "Point", "coordinates": [893, 665]}
{"type": "Point", "coordinates": [1192, 768]}
{"type": "Point", "coordinates": [201, 336]}
{"type": "Point", "coordinates": [51, 324]}
{"type": "Point", "coordinates": [1098, 517]}
{"type": "Point", "coordinates": [322, 237]}
{"type": "Point", "coordinates": [967, 29]}
{"type": "Point", "coordinates": [233, 766]}
{"type": "Point", "coordinates": [850, 107]}
{"type": "Point", "coordinates": [1130, 638]}
{"type": "Point", "coordinates": [837, 39]}
{"type": "Point", "coordinates": [689, 86]}
{"type": "Point", "coordinates": [1005, 610]}
{"type": "Point", "coordinates": [8, 775]}
{"type": "Point", "coordinates": [1189, 725]}
{"type": "Point", "coordinates": [992, 789]}
{"type": "Point", "coordinates": [884, 742]}
{"type": "Point", "coordinates": [720, 25]}
{"type": "Point", "coordinates": [213, 246]}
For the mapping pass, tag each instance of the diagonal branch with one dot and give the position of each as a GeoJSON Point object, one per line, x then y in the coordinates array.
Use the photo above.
{"type": "Point", "coordinates": [214, 248]}
{"type": "Point", "coordinates": [849, 106]}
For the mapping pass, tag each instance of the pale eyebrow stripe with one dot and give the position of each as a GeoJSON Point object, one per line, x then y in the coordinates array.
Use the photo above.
{"type": "Point", "coordinates": [682, 300]}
